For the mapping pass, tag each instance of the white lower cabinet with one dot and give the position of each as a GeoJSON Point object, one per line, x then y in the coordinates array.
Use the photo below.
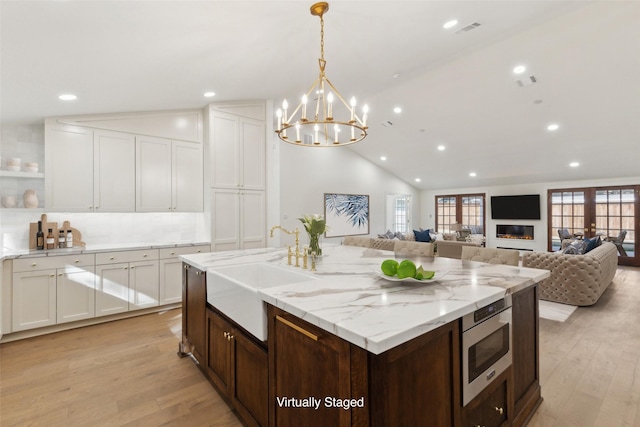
{"type": "Point", "coordinates": [75, 290]}
{"type": "Point", "coordinates": [112, 289]}
{"type": "Point", "coordinates": [127, 280]}
{"type": "Point", "coordinates": [171, 271]}
{"type": "Point", "coordinates": [34, 299]}
{"type": "Point", "coordinates": [50, 290]}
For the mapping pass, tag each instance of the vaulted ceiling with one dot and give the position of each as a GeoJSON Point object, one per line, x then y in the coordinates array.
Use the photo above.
{"type": "Point", "coordinates": [456, 88]}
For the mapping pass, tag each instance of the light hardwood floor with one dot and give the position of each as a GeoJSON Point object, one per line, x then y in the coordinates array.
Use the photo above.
{"type": "Point", "coordinates": [123, 373]}
{"type": "Point", "coordinates": [127, 373]}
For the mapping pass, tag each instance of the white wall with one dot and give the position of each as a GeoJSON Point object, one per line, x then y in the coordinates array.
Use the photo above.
{"type": "Point", "coordinates": [307, 173]}
{"type": "Point", "coordinates": [428, 208]}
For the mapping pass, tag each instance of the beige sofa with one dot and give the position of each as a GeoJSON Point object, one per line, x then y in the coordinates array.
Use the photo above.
{"type": "Point", "coordinates": [575, 279]}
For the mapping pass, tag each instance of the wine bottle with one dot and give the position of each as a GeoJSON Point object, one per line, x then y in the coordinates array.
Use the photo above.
{"type": "Point", "coordinates": [40, 237]}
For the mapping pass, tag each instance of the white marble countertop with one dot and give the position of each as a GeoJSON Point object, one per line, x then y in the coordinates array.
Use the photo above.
{"type": "Point", "coordinates": [351, 301]}
{"type": "Point", "coordinates": [94, 248]}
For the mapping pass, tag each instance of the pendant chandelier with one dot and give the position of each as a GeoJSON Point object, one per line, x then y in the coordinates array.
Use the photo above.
{"type": "Point", "coordinates": [322, 114]}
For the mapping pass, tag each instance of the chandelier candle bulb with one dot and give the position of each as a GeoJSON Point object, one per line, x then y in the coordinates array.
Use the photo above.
{"type": "Point", "coordinates": [336, 129]}
{"type": "Point", "coordinates": [297, 132]}
{"type": "Point", "coordinates": [353, 109]}
{"type": "Point", "coordinates": [279, 115]}
{"type": "Point", "coordinates": [316, 128]}
{"type": "Point", "coordinates": [365, 110]}
{"type": "Point", "coordinates": [304, 108]}
{"type": "Point", "coordinates": [285, 105]}
{"type": "Point", "coordinates": [330, 106]}
{"type": "Point", "coordinates": [353, 131]}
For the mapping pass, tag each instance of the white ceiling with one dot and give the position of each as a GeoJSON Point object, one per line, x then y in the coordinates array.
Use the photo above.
{"type": "Point", "coordinates": [455, 89]}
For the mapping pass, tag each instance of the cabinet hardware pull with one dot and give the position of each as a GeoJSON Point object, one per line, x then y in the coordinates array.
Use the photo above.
{"type": "Point", "coordinates": [133, 267]}
{"type": "Point", "coordinates": [225, 334]}
{"type": "Point", "coordinates": [296, 327]}
{"type": "Point", "coordinates": [33, 264]}
{"type": "Point", "coordinates": [499, 410]}
{"type": "Point", "coordinates": [173, 253]}
{"type": "Point", "coordinates": [52, 275]}
{"type": "Point", "coordinates": [144, 256]}
{"type": "Point", "coordinates": [126, 268]}
{"type": "Point", "coordinates": [112, 258]}
{"type": "Point", "coordinates": [231, 337]}
{"type": "Point", "coordinates": [59, 274]}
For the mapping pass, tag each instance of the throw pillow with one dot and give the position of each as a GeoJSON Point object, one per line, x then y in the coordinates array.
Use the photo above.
{"type": "Point", "coordinates": [592, 243]}
{"type": "Point", "coordinates": [399, 235]}
{"type": "Point", "coordinates": [576, 247]}
{"type": "Point", "coordinates": [422, 236]}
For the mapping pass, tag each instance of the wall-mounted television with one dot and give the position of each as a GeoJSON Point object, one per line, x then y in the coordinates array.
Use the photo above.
{"type": "Point", "coordinates": [515, 207]}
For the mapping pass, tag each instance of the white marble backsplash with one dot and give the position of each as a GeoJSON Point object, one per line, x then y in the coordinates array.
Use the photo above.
{"type": "Point", "coordinates": [111, 228]}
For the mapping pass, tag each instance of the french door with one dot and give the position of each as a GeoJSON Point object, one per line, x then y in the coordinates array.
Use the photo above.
{"type": "Point", "coordinates": [610, 212]}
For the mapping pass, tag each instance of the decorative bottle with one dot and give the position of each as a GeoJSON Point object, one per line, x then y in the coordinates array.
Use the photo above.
{"type": "Point", "coordinates": [62, 240]}
{"type": "Point", "coordinates": [40, 237]}
{"type": "Point", "coordinates": [51, 241]}
{"type": "Point", "coordinates": [69, 239]}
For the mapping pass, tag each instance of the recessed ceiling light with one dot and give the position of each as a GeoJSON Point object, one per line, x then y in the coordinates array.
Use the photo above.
{"type": "Point", "coordinates": [397, 110]}
{"type": "Point", "coordinates": [441, 147]}
{"type": "Point", "coordinates": [450, 24]}
{"type": "Point", "coordinates": [67, 97]}
{"type": "Point", "coordinates": [383, 158]}
{"type": "Point", "coordinates": [418, 180]}
{"type": "Point", "coordinates": [472, 174]}
{"type": "Point", "coordinates": [553, 126]}
{"type": "Point", "coordinates": [209, 94]}
{"type": "Point", "coordinates": [519, 69]}
{"type": "Point", "coordinates": [574, 164]}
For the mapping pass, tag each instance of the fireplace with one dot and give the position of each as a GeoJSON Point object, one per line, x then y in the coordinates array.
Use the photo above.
{"type": "Point", "coordinates": [522, 232]}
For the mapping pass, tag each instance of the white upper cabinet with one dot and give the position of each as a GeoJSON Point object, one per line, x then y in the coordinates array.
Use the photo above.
{"type": "Point", "coordinates": [114, 171]}
{"type": "Point", "coordinates": [238, 151]}
{"type": "Point", "coordinates": [168, 176]}
{"type": "Point", "coordinates": [101, 166]}
{"type": "Point", "coordinates": [68, 168]}
{"type": "Point", "coordinates": [153, 174]}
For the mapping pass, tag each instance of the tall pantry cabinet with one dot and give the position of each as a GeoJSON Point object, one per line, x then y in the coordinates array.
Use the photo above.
{"type": "Point", "coordinates": [238, 143]}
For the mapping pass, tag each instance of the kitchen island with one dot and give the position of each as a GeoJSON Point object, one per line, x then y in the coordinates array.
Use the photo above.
{"type": "Point", "coordinates": [389, 351]}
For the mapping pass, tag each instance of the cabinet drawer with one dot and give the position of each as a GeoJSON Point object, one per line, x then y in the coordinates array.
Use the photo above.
{"type": "Point", "coordinates": [490, 407]}
{"type": "Point", "coordinates": [184, 250]}
{"type": "Point", "coordinates": [126, 256]}
{"type": "Point", "coordinates": [47, 262]}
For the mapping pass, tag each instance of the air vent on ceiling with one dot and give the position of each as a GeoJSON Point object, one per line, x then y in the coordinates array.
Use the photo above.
{"type": "Point", "coordinates": [386, 124]}
{"type": "Point", "coordinates": [526, 81]}
{"type": "Point", "coordinates": [468, 28]}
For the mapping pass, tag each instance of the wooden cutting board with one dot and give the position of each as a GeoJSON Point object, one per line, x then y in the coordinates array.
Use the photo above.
{"type": "Point", "coordinates": [46, 225]}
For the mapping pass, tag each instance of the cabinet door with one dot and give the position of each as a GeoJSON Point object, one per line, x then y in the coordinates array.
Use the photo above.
{"type": "Point", "coordinates": [75, 294]}
{"type": "Point", "coordinates": [153, 175]}
{"type": "Point", "coordinates": [170, 281]}
{"type": "Point", "coordinates": [252, 162]}
{"type": "Point", "coordinates": [112, 289]}
{"type": "Point", "coordinates": [224, 150]}
{"type": "Point", "coordinates": [187, 185]}
{"type": "Point", "coordinates": [253, 226]}
{"type": "Point", "coordinates": [194, 302]}
{"type": "Point", "coordinates": [218, 353]}
{"type": "Point", "coordinates": [34, 299]}
{"type": "Point", "coordinates": [250, 379]}
{"type": "Point", "coordinates": [306, 361]}
{"type": "Point", "coordinates": [489, 408]}
{"type": "Point", "coordinates": [526, 373]}
{"type": "Point", "coordinates": [144, 287]}
{"type": "Point", "coordinates": [225, 225]}
{"type": "Point", "coordinates": [68, 168]}
{"type": "Point", "coordinates": [114, 172]}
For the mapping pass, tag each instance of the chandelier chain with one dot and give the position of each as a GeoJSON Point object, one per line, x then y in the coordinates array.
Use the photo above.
{"type": "Point", "coordinates": [322, 38]}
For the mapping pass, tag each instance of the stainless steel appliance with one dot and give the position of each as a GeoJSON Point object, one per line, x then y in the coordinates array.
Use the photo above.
{"type": "Point", "coordinates": [486, 346]}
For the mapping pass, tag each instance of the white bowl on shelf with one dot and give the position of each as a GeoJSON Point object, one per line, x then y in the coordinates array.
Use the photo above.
{"type": "Point", "coordinates": [31, 167]}
{"type": "Point", "coordinates": [13, 168]}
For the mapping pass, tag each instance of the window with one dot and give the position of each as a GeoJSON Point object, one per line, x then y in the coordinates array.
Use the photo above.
{"type": "Point", "coordinates": [465, 209]}
{"type": "Point", "coordinates": [399, 213]}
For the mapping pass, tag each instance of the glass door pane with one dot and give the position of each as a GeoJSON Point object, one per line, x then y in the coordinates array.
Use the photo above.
{"type": "Point", "coordinates": [615, 218]}
{"type": "Point", "coordinates": [567, 213]}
